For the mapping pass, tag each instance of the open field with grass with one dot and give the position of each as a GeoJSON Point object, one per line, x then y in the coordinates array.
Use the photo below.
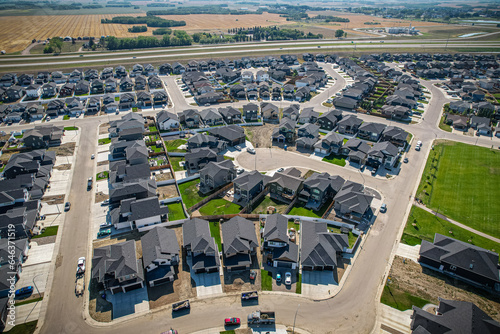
{"type": "Point", "coordinates": [172, 145]}
{"type": "Point", "coordinates": [461, 182]}
{"type": "Point", "coordinates": [427, 224]}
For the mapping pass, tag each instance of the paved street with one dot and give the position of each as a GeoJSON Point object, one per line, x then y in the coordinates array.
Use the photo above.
{"type": "Point", "coordinates": [353, 310]}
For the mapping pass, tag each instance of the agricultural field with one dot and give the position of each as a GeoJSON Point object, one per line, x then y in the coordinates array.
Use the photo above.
{"type": "Point", "coordinates": [16, 32]}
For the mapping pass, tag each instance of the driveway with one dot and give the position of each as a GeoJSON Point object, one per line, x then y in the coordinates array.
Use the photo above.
{"type": "Point", "coordinates": [409, 252]}
{"type": "Point", "coordinates": [206, 283]}
{"type": "Point", "coordinates": [38, 272]}
{"type": "Point", "coordinates": [39, 254]}
{"type": "Point", "coordinates": [58, 182]}
{"type": "Point", "coordinates": [318, 284]}
{"type": "Point", "coordinates": [135, 301]}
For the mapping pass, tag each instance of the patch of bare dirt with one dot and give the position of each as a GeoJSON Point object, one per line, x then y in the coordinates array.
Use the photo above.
{"type": "Point", "coordinates": [67, 149]}
{"type": "Point", "coordinates": [163, 176]}
{"type": "Point", "coordinates": [103, 128]}
{"type": "Point", "coordinates": [102, 163]}
{"type": "Point", "coordinates": [59, 259]}
{"type": "Point", "coordinates": [100, 196]}
{"type": "Point", "coordinates": [260, 136]}
{"type": "Point", "coordinates": [63, 167]}
{"type": "Point", "coordinates": [55, 199]}
{"type": "Point", "coordinates": [168, 191]}
{"type": "Point", "coordinates": [428, 284]}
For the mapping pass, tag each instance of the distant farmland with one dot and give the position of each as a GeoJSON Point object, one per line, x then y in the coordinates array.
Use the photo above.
{"type": "Point", "coordinates": [16, 32]}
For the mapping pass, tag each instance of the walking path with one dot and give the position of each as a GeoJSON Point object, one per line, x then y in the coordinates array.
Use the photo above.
{"type": "Point", "coordinates": [454, 222]}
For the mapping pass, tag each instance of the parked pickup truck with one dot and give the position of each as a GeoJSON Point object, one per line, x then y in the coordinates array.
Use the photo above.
{"type": "Point", "coordinates": [80, 285]}
{"type": "Point", "coordinates": [261, 318]}
{"type": "Point", "coordinates": [89, 183]}
{"type": "Point", "coordinates": [181, 305]}
{"type": "Point", "coordinates": [249, 295]}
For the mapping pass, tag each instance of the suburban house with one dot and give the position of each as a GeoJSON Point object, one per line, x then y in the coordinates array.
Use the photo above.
{"type": "Point", "coordinates": [331, 143]}
{"type": "Point", "coordinates": [126, 84]}
{"type": "Point", "coordinates": [216, 174]}
{"type": "Point", "coordinates": [285, 132]}
{"type": "Point", "coordinates": [202, 140]}
{"type": "Point", "coordinates": [292, 112]}
{"type": "Point", "coordinates": [143, 99]}
{"type": "Point", "coordinates": [125, 190]}
{"type": "Point", "coordinates": [200, 246]}
{"type": "Point", "coordinates": [49, 89]}
{"type": "Point", "coordinates": [198, 158]}
{"type": "Point", "coordinates": [356, 150]}
{"type": "Point", "coordinates": [481, 124]}
{"type": "Point", "coordinates": [308, 130]}
{"type": "Point", "coordinates": [43, 136]}
{"type": "Point", "coordinates": [167, 120]}
{"type": "Point", "coordinates": [82, 87]}
{"type": "Point", "coordinates": [190, 117]}
{"type": "Point", "coordinates": [371, 131]}
{"type": "Point", "coordinates": [248, 185]}
{"type": "Point", "coordinates": [231, 115]}
{"type": "Point", "coordinates": [320, 188]}
{"type": "Point", "coordinates": [352, 203]}
{"type": "Point", "coordinates": [67, 89]}
{"type": "Point", "coordinates": [137, 213]}
{"type": "Point", "coordinates": [349, 125]}
{"type": "Point", "coordinates": [462, 260]}
{"type": "Point", "coordinates": [320, 248]}
{"type": "Point", "coordinates": [13, 253]}
{"type": "Point", "coordinates": [284, 186]}
{"type": "Point", "coordinates": [231, 134]}
{"type": "Point", "coordinates": [308, 115]}
{"type": "Point", "coordinates": [453, 316]}
{"type": "Point", "coordinates": [270, 112]}
{"type": "Point", "coordinates": [383, 154]}
{"type": "Point", "coordinates": [117, 267]}
{"type": "Point", "coordinates": [127, 101]}
{"type": "Point", "coordinates": [345, 103]}
{"type": "Point", "coordinates": [160, 253]}
{"type": "Point", "coordinates": [329, 120]}
{"type": "Point", "coordinates": [33, 91]}
{"type": "Point", "coordinates": [279, 250]}
{"type": "Point", "coordinates": [160, 97]}
{"type": "Point", "coordinates": [239, 243]}
{"type": "Point", "coordinates": [395, 135]}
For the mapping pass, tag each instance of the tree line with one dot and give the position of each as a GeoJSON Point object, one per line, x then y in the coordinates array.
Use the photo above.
{"type": "Point", "coordinates": [179, 38]}
{"type": "Point", "coordinates": [272, 33]}
{"type": "Point", "coordinates": [138, 29]}
{"type": "Point", "coordinates": [150, 21]}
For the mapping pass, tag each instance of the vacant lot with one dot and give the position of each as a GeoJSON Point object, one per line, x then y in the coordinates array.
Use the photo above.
{"type": "Point", "coordinates": [410, 279]}
{"type": "Point", "coordinates": [461, 182]}
{"type": "Point", "coordinates": [260, 136]}
{"type": "Point", "coordinates": [168, 191]}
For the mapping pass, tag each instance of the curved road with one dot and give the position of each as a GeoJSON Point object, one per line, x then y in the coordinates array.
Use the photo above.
{"type": "Point", "coordinates": [352, 310]}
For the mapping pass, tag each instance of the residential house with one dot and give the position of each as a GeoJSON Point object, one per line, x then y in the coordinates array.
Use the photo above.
{"type": "Point", "coordinates": [216, 174]}
{"type": "Point", "coordinates": [285, 132]}
{"type": "Point", "coordinates": [138, 213]}
{"type": "Point", "coordinates": [308, 115]}
{"type": "Point", "coordinates": [13, 253]}
{"type": "Point", "coordinates": [56, 108]}
{"type": "Point", "coordinates": [8, 79]}
{"type": "Point", "coordinates": [33, 91]}
{"type": "Point", "coordinates": [154, 82]}
{"type": "Point", "coordinates": [106, 73]}
{"type": "Point", "coordinates": [279, 250]}
{"type": "Point", "coordinates": [160, 97]}
{"type": "Point", "coordinates": [383, 154]}
{"type": "Point", "coordinates": [210, 98]}
{"type": "Point", "coordinates": [284, 186]}
{"type": "Point", "coordinates": [292, 112]}
{"type": "Point", "coordinates": [74, 106]}
{"type": "Point", "coordinates": [117, 267]}
{"type": "Point", "coordinates": [143, 99]}
{"type": "Point", "coordinates": [67, 89]}
{"type": "Point", "coordinates": [320, 248]}
{"type": "Point", "coordinates": [160, 253]}
{"type": "Point", "coordinates": [140, 82]}
{"type": "Point", "coordinates": [453, 316]}
{"type": "Point", "coordinates": [190, 117]}
{"type": "Point", "coordinates": [331, 143]}
{"type": "Point", "coordinates": [251, 112]}
{"type": "Point", "coordinates": [202, 140]}
{"type": "Point", "coordinates": [262, 76]}
{"type": "Point", "coordinates": [461, 107]}
{"type": "Point", "coordinates": [248, 185]}
{"type": "Point", "coordinates": [270, 112]}
{"type": "Point", "coordinates": [137, 69]}
{"type": "Point", "coordinates": [111, 85]}
{"type": "Point", "coordinates": [126, 84]}
{"type": "Point", "coordinates": [139, 190]}
{"type": "Point", "coordinates": [75, 76]}
{"type": "Point", "coordinates": [239, 243]}
{"type": "Point", "coordinates": [43, 136]}
{"type": "Point", "coordinates": [319, 189]}
{"type": "Point", "coordinates": [231, 134]}
{"type": "Point", "coordinates": [93, 104]}
{"type": "Point", "coordinates": [356, 150]}
{"type": "Point", "coordinates": [120, 71]}
{"type": "Point", "coordinates": [328, 120]}
{"type": "Point", "coordinates": [127, 101]}
{"type": "Point", "coordinates": [49, 90]}
{"type": "Point", "coordinates": [97, 86]}
{"type": "Point", "coordinates": [25, 79]}
{"type": "Point", "coordinates": [58, 77]}
{"type": "Point", "coordinates": [371, 131]}
{"type": "Point", "coordinates": [230, 115]}
{"type": "Point", "coordinates": [345, 103]}
{"type": "Point", "coordinates": [167, 120]}
{"type": "Point", "coordinates": [395, 135]}
{"type": "Point", "coordinates": [198, 158]}
{"type": "Point", "coordinates": [349, 125]}
{"type": "Point", "coordinates": [308, 130]}
{"type": "Point", "coordinates": [200, 246]}
{"type": "Point", "coordinates": [82, 87]}
{"type": "Point", "coordinates": [211, 117]}
{"type": "Point", "coordinates": [481, 124]}
{"type": "Point", "coordinates": [247, 77]}
{"type": "Point", "coordinates": [178, 68]}
{"type": "Point", "coordinates": [462, 260]}
{"type": "Point", "coordinates": [352, 203]}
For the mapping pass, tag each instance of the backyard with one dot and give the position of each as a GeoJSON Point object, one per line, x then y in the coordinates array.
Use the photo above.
{"type": "Point", "coordinates": [189, 192]}
{"type": "Point", "coordinates": [335, 159]}
{"type": "Point", "coordinates": [351, 236]}
{"type": "Point", "coordinates": [172, 145]}
{"type": "Point", "coordinates": [215, 233]}
{"type": "Point", "coordinates": [299, 210]}
{"type": "Point", "coordinates": [219, 206]}
{"type": "Point", "coordinates": [422, 225]}
{"type": "Point", "coordinates": [175, 163]}
{"type": "Point", "coordinates": [461, 182]}
{"type": "Point", "coordinates": [175, 211]}
{"type": "Point", "coordinates": [267, 201]}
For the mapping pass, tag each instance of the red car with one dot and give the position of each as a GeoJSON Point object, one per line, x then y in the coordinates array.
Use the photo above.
{"type": "Point", "coordinates": [231, 321]}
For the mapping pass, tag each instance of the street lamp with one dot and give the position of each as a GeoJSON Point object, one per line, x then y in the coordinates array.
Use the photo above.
{"type": "Point", "coordinates": [294, 318]}
{"type": "Point", "coordinates": [39, 294]}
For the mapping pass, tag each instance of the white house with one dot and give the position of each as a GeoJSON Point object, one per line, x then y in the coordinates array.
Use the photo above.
{"type": "Point", "coordinates": [34, 90]}
{"type": "Point", "coordinates": [262, 76]}
{"type": "Point", "coordinates": [167, 120]}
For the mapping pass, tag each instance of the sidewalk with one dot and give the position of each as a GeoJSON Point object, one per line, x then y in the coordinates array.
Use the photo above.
{"type": "Point", "coordinates": [465, 227]}
{"type": "Point", "coordinates": [394, 321]}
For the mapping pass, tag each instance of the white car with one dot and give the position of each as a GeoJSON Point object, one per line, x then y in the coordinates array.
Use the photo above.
{"type": "Point", "coordinates": [80, 269]}
{"type": "Point", "coordinates": [251, 150]}
{"type": "Point", "coordinates": [92, 156]}
{"type": "Point", "coordinates": [288, 278]}
{"type": "Point", "coordinates": [419, 143]}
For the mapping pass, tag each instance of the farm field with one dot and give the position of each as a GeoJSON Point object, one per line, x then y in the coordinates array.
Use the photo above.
{"type": "Point", "coordinates": [461, 181]}
{"type": "Point", "coordinates": [16, 32]}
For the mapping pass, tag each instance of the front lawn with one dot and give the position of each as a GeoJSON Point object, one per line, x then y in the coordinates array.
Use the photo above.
{"type": "Point", "coordinates": [175, 211]}
{"type": "Point", "coordinates": [189, 192]}
{"type": "Point", "coordinates": [400, 300]}
{"type": "Point", "coordinates": [335, 159]}
{"type": "Point", "coordinates": [172, 145]}
{"type": "Point", "coordinates": [427, 224]}
{"type": "Point", "coordinates": [26, 328]}
{"type": "Point", "coordinates": [49, 231]}
{"type": "Point", "coordinates": [266, 280]}
{"type": "Point", "coordinates": [298, 285]}
{"type": "Point", "coordinates": [299, 210]}
{"type": "Point", "coordinates": [70, 128]}
{"type": "Point", "coordinates": [102, 175]}
{"type": "Point", "coordinates": [461, 181]}
{"type": "Point", "coordinates": [443, 125]}
{"type": "Point", "coordinates": [104, 141]}
{"type": "Point", "coordinates": [219, 206]}
{"type": "Point", "coordinates": [215, 233]}
{"type": "Point", "coordinates": [174, 163]}
{"type": "Point", "coordinates": [266, 201]}
{"type": "Point", "coordinates": [65, 117]}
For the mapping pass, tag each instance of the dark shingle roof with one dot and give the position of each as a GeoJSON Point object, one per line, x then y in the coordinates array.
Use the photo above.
{"type": "Point", "coordinates": [159, 243]}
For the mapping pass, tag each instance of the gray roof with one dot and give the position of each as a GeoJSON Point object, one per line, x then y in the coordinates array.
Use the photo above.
{"type": "Point", "coordinates": [319, 247]}
{"type": "Point", "coordinates": [214, 168]}
{"type": "Point", "coordinates": [350, 120]}
{"type": "Point", "coordinates": [165, 116]}
{"type": "Point", "coordinates": [276, 228]}
{"type": "Point", "coordinates": [248, 180]}
{"type": "Point", "coordinates": [145, 208]}
{"type": "Point", "coordinates": [462, 255]}
{"type": "Point", "coordinates": [238, 236]}
{"type": "Point", "coordinates": [287, 181]}
{"type": "Point", "coordinates": [324, 181]}
{"type": "Point", "coordinates": [210, 114]}
{"type": "Point", "coordinates": [309, 112]}
{"type": "Point", "coordinates": [382, 149]}
{"type": "Point", "coordinates": [454, 317]}
{"type": "Point", "coordinates": [309, 128]}
{"type": "Point", "coordinates": [159, 243]}
{"type": "Point", "coordinates": [196, 235]}
{"type": "Point", "coordinates": [395, 133]}
{"type": "Point", "coordinates": [117, 260]}
{"type": "Point", "coordinates": [355, 144]}
{"type": "Point", "coordinates": [230, 132]}
{"type": "Point", "coordinates": [351, 195]}
{"type": "Point", "coordinates": [372, 127]}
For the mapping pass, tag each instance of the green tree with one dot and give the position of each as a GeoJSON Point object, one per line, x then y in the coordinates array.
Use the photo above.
{"type": "Point", "coordinates": [56, 43]}
{"type": "Point", "coordinates": [339, 33]}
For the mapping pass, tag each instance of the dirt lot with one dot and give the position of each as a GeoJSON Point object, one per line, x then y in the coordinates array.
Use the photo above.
{"type": "Point", "coordinates": [163, 176]}
{"type": "Point", "coordinates": [179, 289]}
{"type": "Point", "coordinates": [260, 136]}
{"type": "Point", "coordinates": [64, 150]}
{"type": "Point", "coordinates": [425, 283]}
{"type": "Point", "coordinates": [168, 191]}
{"type": "Point", "coordinates": [63, 167]}
{"type": "Point", "coordinates": [103, 128]}
{"type": "Point", "coordinates": [52, 200]}
{"type": "Point", "coordinates": [100, 196]}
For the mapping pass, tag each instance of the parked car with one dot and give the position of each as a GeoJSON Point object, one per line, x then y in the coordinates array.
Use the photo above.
{"type": "Point", "coordinates": [67, 206]}
{"type": "Point", "coordinates": [92, 156]}
{"type": "Point", "coordinates": [24, 291]}
{"type": "Point", "coordinates": [89, 183]}
{"type": "Point", "coordinates": [240, 170]}
{"type": "Point", "coordinates": [253, 274]}
{"type": "Point", "coordinates": [278, 278]}
{"type": "Point", "coordinates": [104, 233]}
{"type": "Point", "coordinates": [419, 143]}
{"type": "Point", "coordinates": [105, 225]}
{"type": "Point", "coordinates": [405, 160]}
{"type": "Point", "coordinates": [231, 321]}
{"type": "Point", "coordinates": [280, 170]}
{"type": "Point", "coordinates": [80, 268]}
{"type": "Point", "coordinates": [417, 148]}
{"type": "Point", "coordinates": [105, 202]}
{"type": "Point", "coordinates": [383, 208]}
{"type": "Point", "coordinates": [251, 150]}
{"type": "Point", "coordinates": [288, 278]}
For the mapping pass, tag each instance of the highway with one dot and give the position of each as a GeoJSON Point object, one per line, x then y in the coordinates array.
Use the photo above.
{"type": "Point", "coordinates": [353, 310]}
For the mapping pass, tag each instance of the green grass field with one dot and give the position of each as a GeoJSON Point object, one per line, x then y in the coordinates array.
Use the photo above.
{"type": "Point", "coordinates": [299, 210]}
{"type": "Point", "coordinates": [427, 224]}
{"type": "Point", "coordinates": [172, 145]}
{"type": "Point", "coordinates": [104, 141]}
{"type": "Point", "coordinates": [215, 233]}
{"type": "Point", "coordinates": [219, 206]}
{"type": "Point", "coordinates": [175, 211]}
{"type": "Point", "coordinates": [26, 328]}
{"type": "Point", "coordinates": [266, 280]}
{"type": "Point", "coordinates": [70, 128]}
{"type": "Point", "coordinates": [189, 193]}
{"type": "Point", "coordinates": [267, 201]}
{"type": "Point", "coordinates": [104, 175]}
{"type": "Point", "coordinates": [174, 161]}
{"type": "Point", "coordinates": [298, 285]}
{"type": "Point", "coordinates": [461, 181]}
{"type": "Point", "coordinates": [399, 299]}
{"type": "Point", "coordinates": [49, 231]}
{"type": "Point", "coordinates": [335, 159]}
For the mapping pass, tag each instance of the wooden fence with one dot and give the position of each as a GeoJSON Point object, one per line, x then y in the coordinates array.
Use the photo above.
{"type": "Point", "coordinates": [210, 197]}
